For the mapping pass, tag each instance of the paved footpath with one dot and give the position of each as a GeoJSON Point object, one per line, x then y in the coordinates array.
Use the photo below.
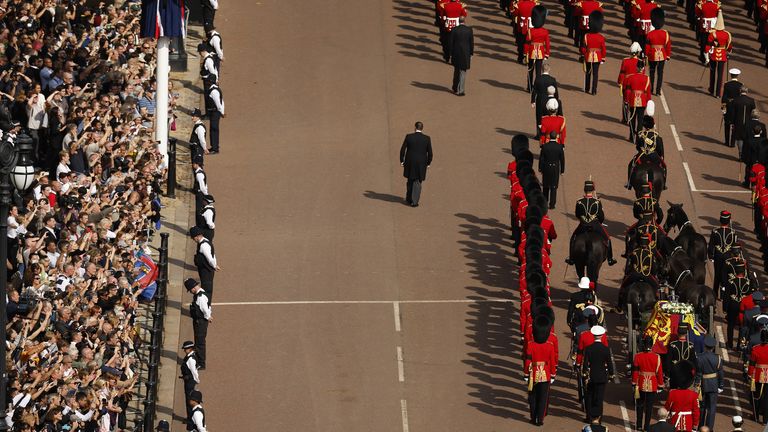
{"type": "Point", "coordinates": [339, 308]}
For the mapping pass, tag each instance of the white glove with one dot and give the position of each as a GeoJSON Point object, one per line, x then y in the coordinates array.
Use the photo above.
{"type": "Point", "coordinates": [525, 379]}
{"type": "Point", "coordinates": [551, 381]}
{"type": "Point", "coordinates": [719, 391]}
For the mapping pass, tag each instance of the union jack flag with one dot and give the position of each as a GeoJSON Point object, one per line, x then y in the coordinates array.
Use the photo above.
{"type": "Point", "coordinates": [163, 18]}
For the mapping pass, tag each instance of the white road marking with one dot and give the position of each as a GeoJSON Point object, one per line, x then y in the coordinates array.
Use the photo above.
{"type": "Point", "coordinates": [690, 177]}
{"type": "Point", "coordinates": [724, 191]}
{"type": "Point", "coordinates": [734, 396]}
{"type": "Point", "coordinates": [400, 365]}
{"type": "Point", "coordinates": [721, 339]}
{"type": "Point", "coordinates": [676, 137]}
{"type": "Point", "coordinates": [341, 302]}
{"type": "Point", "coordinates": [396, 307]}
{"type": "Point", "coordinates": [664, 103]}
{"type": "Point", "coordinates": [625, 415]}
{"type": "Point", "coordinates": [404, 414]}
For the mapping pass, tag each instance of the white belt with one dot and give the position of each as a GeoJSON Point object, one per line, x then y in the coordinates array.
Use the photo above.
{"type": "Point", "coordinates": [680, 415]}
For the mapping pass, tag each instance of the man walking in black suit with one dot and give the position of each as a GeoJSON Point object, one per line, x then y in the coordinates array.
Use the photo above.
{"type": "Point", "coordinates": [742, 113]}
{"type": "Point", "coordinates": [540, 95]}
{"type": "Point", "coordinates": [731, 91]}
{"type": "Point", "coordinates": [461, 47]}
{"type": "Point", "coordinates": [415, 158]}
{"type": "Point", "coordinates": [662, 425]}
{"type": "Point", "coordinates": [551, 166]}
{"type": "Point", "coordinates": [597, 366]}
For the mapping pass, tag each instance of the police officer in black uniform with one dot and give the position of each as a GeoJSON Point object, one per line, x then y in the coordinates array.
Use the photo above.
{"type": "Point", "coordinates": [200, 186]}
{"type": "Point", "coordinates": [680, 350]}
{"type": "Point", "coordinates": [205, 260]}
{"type": "Point", "coordinates": [551, 166]}
{"type": "Point", "coordinates": [720, 242]}
{"type": "Point", "coordinates": [205, 219]}
{"type": "Point", "coordinates": [189, 374]}
{"type": "Point", "coordinates": [200, 311]}
{"type": "Point", "coordinates": [209, 70]}
{"type": "Point", "coordinates": [589, 211]}
{"type": "Point", "coordinates": [736, 288]}
{"type": "Point", "coordinates": [197, 417]}
{"type": "Point", "coordinates": [647, 204]}
{"type": "Point", "coordinates": [709, 376]}
{"type": "Point", "coordinates": [198, 145]}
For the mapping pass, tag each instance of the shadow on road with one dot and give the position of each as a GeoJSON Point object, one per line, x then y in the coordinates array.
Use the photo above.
{"type": "Point", "coordinates": [384, 197]}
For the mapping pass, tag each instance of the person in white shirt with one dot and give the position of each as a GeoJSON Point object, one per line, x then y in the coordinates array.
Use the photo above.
{"type": "Point", "coordinates": [200, 311]}
{"type": "Point", "coordinates": [36, 118]}
{"type": "Point", "coordinates": [197, 419]}
{"type": "Point", "coordinates": [214, 40]}
{"type": "Point", "coordinates": [63, 166]}
{"type": "Point", "coordinates": [189, 371]}
{"type": "Point", "coordinates": [209, 12]}
{"type": "Point", "coordinates": [214, 115]}
{"type": "Point", "coordinates": [205, 260]}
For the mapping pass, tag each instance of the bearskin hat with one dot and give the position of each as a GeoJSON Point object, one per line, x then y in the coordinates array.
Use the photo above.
{"type": "Point", "coordinates": [682, 374]}
{"type": "Point", "coordinates": [542, 326]}
{"type": "Point", "coordinates": [534, 236]}
{"type": "Point", "coordinates": [537, 199]}
{"type": "Point", "coordinates": [524, 155]}
{"type": "Point", "coordinates": [657, 18]}
{"type": "Point", "coordinates": [521, 164]}
{"type": "Point", "coordinates": [519, 144]}
{"type": "Point", "coordinates": [538, 16]}
{"type": "Point", "coordinates": [533, 214]}
{"type": "Point", "coordinates": [596, 22]}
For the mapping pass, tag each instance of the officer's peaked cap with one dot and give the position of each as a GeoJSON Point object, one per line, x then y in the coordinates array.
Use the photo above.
{"type": "Point", "coordinates": [190, 283]}
{"type": "Point", "coordinates": [187, 345]}
{"type": "Point", "coordinates": [195, 395]}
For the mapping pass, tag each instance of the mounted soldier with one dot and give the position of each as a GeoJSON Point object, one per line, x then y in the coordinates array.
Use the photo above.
{"type": "Point", "coordinates": [589, 211]}
{"type": "Point", "coordinates": [720, 242]}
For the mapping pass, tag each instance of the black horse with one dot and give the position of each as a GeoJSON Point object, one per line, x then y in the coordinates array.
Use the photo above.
{"type": "Point", "coordinates": [698, 295]}
{"type": "Point", "coordinates": [694, 244]}
{"type": "Point", "coordinates": [677, 261]}
{"type": "Point", "coordinates": [648, 170]}
{"type": "Point", "coordinates": [588, 252]}
{"type": "Point", "coordinates": [641, 295]}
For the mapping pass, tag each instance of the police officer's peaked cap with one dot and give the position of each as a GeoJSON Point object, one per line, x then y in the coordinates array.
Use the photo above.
{"type": "Point", "coordinates": [163, 426]}
{"type": "Point", "coordinates": [209, 198]}
{"type": "Point", "coordinates": [190, 283]}
{"type": "Point", "coordinates": [187, 345]}
{"type": "Point", "coordinates": [725, 217]}
{"type": "Point", "coordinates": [657, 18]}
{"type": "Point", "coordinates": [710, 341]}
{"type": "Point", "coordinates": [538, 16]}
{"type": "Point", "coordinates": [202, 46]}
{"type": "Point", "coordinates": [596, 22]}
{"type": "Point", "coordinates": [195, 231]}
{"type": "Point", "coordinates": [197, 113]}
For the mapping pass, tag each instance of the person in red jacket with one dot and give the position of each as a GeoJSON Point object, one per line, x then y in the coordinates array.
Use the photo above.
{"type": "Point", "coordinates": [540, 369]}
{"type": "Point", "coordinates": [706, 14]}
{"type": "Point", "coordinates": [552, 123]}
{"type": "Point", "coordinates": [595, 333]}
{"type": "Point", "coordinates": [658, 49]}
{"type": "Point", "coordinates": [758, 375]}
{"type": "Point", "coordinates": [537, 46]}
{"type": "Point", "coordinates": [521, 11]}
{"type": "Point", "coordinates": [450, 13]}
{"type": "Point", "coordinates": [642, 16]}
{"type": "Point", "coordinates": [593, 52]}
{"type": "Point", "coordinates": [647, 378]}
{"type": "Point", "coordinates": [682, 402]}
{"type": "Point", "coordinates": [628, 66]}
{"type": "Point", "coordinates": [719, 45]}
{"type": "Point", "coordinates": [637, 93]}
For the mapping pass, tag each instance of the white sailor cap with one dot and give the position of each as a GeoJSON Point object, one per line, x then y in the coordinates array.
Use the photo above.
{"type": "Point", "coordinates": [597, 330]}
{"type": "Point", "coordinates": [734, 71]}
{"type": "Point", "coordinates": [737, 420]}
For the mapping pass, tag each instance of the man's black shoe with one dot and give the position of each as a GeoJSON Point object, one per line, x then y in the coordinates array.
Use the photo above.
{"type": "Point", "coordinates": [569, 261]}
{"type": "Point", "coordinates": [611, 261]}
{"type": "Point", "coordinates": [213, 152]}
{"type": "Point", "coordinates": [414, 205]}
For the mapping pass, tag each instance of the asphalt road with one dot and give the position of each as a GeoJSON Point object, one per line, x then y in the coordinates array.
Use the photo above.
{"type": "Point", "coordinates": [338, 307]}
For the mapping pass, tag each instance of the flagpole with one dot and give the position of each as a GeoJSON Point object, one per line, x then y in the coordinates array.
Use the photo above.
{"type": "Point", "coordinates": [161, 109]}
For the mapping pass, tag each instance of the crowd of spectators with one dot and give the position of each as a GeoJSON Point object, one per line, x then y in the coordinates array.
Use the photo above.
{"type": "Point", "coordinates": [76, 78]}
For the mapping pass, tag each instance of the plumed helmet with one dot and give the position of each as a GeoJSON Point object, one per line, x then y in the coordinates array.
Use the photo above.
{"type": "Point", "coordinates": [542, 326]}
{"type": "Point", "coordinates": [519, 143]}
{"type": "Point", "coordinates": [552, 105]}
{"type": "Point", "coordinates": [596, 22]}
{"type": "Point", "coordinates": [682, 375]}
{"type": "Point", "coordinates": [657, 18]}
{"type": "Point", "coordinates": [635, 48]}
{"type": "Point", "coordinates": [648, 122]}
{"type": "Point", "coordinates": [650, 109]}
{"type": "Point", "coordinates": [538, 16]}
{"type": "Point", "coordinates": [720, 24]}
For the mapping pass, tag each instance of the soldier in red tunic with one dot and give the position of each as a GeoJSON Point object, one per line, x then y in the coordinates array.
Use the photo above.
{"type": "Point", "coordinates": [658, 49]}
{"type": "Point", "coordinates": [719, 45]}
{"type": "Point", "coordinates": [540, 368]}
{"type": "Point", "coordinates": [628, 66]}
{"type": "Point", "coordinates": [584, 11]}
{"type": "Point", "coordinates": [552, 123]}
{"type": "Point", "coordinates": [521, 21]}
{"type": "Point", "coordinates": [593, 52]}
{"type": "Point", "coordinates": [647, 378]}
{"type": "Point", "coordinates": [537, 46]}
{"type": "Point", "coordinates": [682, 402]}
{"type": "Point", "coordinates": [642, 16]}
{"type": "Point", "coordinates": [758, 375]}
{"type": "Point", "coordinates": [706, 14]}
{"type": "Point", "coordinates": [450, 13]}
{"type": "Point", "coordinates": [637, 93]}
